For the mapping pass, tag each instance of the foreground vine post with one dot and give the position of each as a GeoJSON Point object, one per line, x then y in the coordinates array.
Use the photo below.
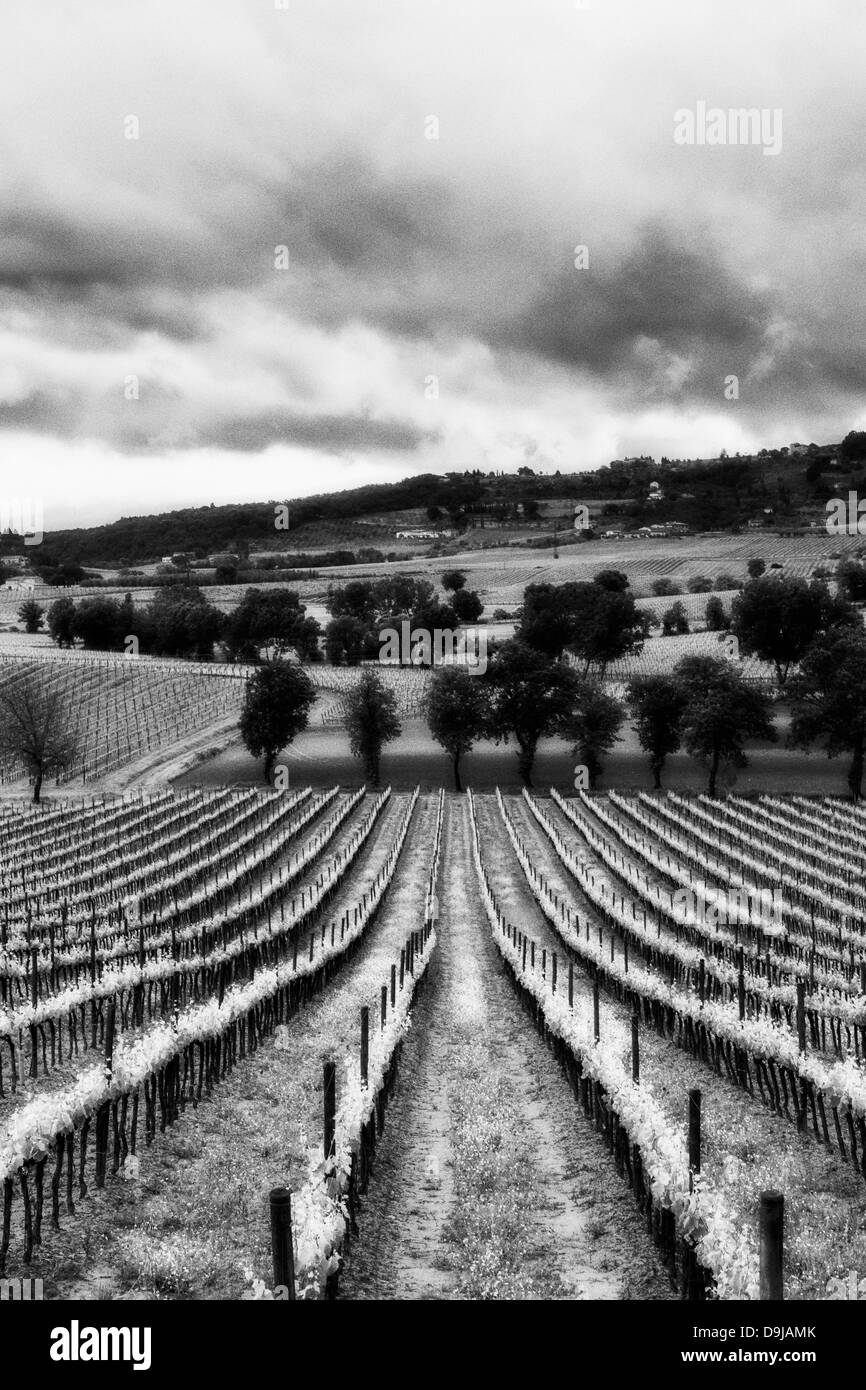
{"type": "Point", "coordinates": [110, 1023]}
{"type": "Point", "coordinates": [104, 1110]}
{"type": "Point", "coordinates": [694, 1135]}
{"type": "Point", "coordinates": [282, 1248]}
{"type": "Point", "coordinates": [595, 1009]}
{"type": "Point", "coordinates": [771, 1231]}
{"type": "Point", "coordinates": [393, 986]}
{"type": "Point", "coordinates": [329, 1091]}
{"type": "Point", "coordinates": [365, 1045]}
{"type": "Point", "coordinates": [384, 1006]}
{"type": "Point", "coordinates": [571, 984]}
{"type": "Point", "coordinates": [635, 1048]}
{"type": "Point", "coordinates": [801, 1015]}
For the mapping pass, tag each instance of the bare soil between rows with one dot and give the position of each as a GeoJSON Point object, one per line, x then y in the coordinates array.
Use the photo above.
{"type": "Point", "coordinates": [584, 1237]}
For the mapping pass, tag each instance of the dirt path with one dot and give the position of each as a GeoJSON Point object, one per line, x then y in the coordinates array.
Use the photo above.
{"type": "Point", "coordinates": [488, 1181]}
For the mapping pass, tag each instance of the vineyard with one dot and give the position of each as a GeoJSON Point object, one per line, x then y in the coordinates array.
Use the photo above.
{"type": "Point", "coordinates": [120, 709]}
{"type": "Point", "coordinates": [231, 976]}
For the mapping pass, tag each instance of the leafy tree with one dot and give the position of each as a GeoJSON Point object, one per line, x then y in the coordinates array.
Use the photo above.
{"type": "Point", "coordinates": [721, 712]}
{"type": "Point", "coordinates": [467, 606]}
{"type": "Point", "coordinates": [181, 622]}
{"type": "Point", "coordinates": [61, 575]}
{"type": "Point", "coordinates": [716, 617]}
{"type": "Point", "coordinates": [547, 620]}
{"type": "Point", "coordinates": [725, 581]}
{"type": "Point", "coordinates": [34, 729]}
{"type": "Point", "coordinates": [657, 705]}
{"type": "Point", "coordinates": [593, 725]}
{"type": "Point", "coordinates": [664, 588]}
{"type": "Point", "coordinates": [597, 624]}
{"type": "Point", "coordinates": [851, 579]}
{"type": "Point", "coordinates": [97, 623]}
{"type": "Point", "coordinates": [829, 699]}
{"type": "Point", "coordinates": [531, 696]}
{"type": "Point", "coordinates": [700, 584]}
{"type": "Point", "coordinates": [61, 622]}
{"type": "Point", "coordinates": [31, 615]}
{"type": "Point", "coordinates": [776, 618]}
{"type": "Point", "coordinates": [272, 622]}
{"type": "Point", "coordinates": [608, 626]}
{"type": "Point", "coordinates": [345, 640]}
{"type": "Point", "coordinates": [614, 581]}
{"type": "Point", "coordinates": [372, 721]}
{"type": "Point", "coordinates": [433, 616]}
{"type": "Point", "coordinates": [453, 580]}
{"type": "Point", "coordinates": [354, 600]}
{"type": "Point", "coordinates": [675, 620]}
{"type": "Point", "coordinates": [458, 709]}
{"type": "Point", "coordinates": [755, 568]}
{"type": "Point", "coordinates": [277, 703]}
{"type": "Point", "coordinates": [853, 446]}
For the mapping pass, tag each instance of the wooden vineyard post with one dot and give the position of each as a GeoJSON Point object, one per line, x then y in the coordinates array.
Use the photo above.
{"type": "Point", "coordinates": [553, 972]}
{"type": "Point", "coordinates": [694, 1134]}
{"type": "Point", "coordinates": [393, 986]}
{"type": "Point", "coordinates": [329, 1092]}
{"type": "Point", "coordinates": [365, 1045]}
{"type": "Point", "coordinates": [282, 1248]}
{"type": "Point", "coordinates": [384, 1006]}
{"type": "Point", "coordinates": [771, 1231]}
{"type": "Point", "coordinates": [103, 1114]}
{"type": "Point", "coordinates": [741, 984]}
{"type": "Point", "coordinates": [570, 983]}
{"type": "Point", "coordinates": [801, 1015]}
{"type": "Point", "coordinates": [402, 965]}
{"type": "Point", "coordinates": [635, 1048]}
{"type": "Point", "coordinates": [595, 1009]}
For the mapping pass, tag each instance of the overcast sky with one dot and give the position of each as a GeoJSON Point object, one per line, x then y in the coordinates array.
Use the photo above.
{"type": "Point", "coordinates": [154, 354]}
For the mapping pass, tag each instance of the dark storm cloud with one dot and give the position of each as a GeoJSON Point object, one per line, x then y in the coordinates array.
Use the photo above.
{"type": "Point", "coordinates": [136, 427]}
{"type": "Point", "coordinates": [333, 433]}
{"type": "Point", "coordinates": [410, 257]}
{"type": "Point", "coordinates": [679, 295]}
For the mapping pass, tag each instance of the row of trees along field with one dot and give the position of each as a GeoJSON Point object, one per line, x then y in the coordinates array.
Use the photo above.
{"type": "Point", "coordinates": [705, 707]}
{"type": "Point", "coordinates": [180, 621]}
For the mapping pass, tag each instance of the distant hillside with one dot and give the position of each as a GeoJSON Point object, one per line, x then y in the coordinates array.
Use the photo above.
{"type": "Point", "coordinates": [711, 494]}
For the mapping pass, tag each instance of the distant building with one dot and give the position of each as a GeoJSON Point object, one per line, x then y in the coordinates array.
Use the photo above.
{"type": "Point", "coordinates": [21, 584]}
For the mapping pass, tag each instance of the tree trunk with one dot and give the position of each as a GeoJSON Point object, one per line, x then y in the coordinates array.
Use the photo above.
{"type": "Point", "coordinates": [456, 764]}
{"type": "Point", "coordinates": [37, 786]}
{"type": "Point", "coordinates": [714, 772]}
{"type": "Point", "coordinates": [657, 776]}
{"type": "Point", "coordinates": [525, 759]}
{"type": "Point", "coordinates": [855, 772]}
{"type": "Point", "coordinates": [373, 769]}
{"type": "Point", "coordinates": [270, 754]}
